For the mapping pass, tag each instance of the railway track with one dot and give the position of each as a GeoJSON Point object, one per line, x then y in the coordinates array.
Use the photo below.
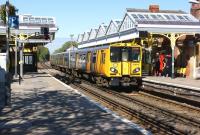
{"type": "Point", "coordinates": [184, 95]}
{"type": "Point", "coordinates": [146, 113]}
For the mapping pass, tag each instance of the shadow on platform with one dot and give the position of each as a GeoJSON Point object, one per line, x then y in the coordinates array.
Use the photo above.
{"type": "Point", "coordinates": [57, 112]}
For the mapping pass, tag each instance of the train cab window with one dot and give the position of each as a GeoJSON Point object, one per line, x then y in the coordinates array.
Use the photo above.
{"type": "Point", "coordinates": [94, 58]}
{"type": "Point", "coordinates": [135, 54]}
{"type": "Point", "coordinates": [125, 54]}
{"type": "Point", "coordinates": [115, 54]}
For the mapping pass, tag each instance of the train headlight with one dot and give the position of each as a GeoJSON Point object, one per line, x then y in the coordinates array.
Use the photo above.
{"type": "Point", "coordinates": [112, 69]}
{"type": "Point", "coordinates": [136, 70]}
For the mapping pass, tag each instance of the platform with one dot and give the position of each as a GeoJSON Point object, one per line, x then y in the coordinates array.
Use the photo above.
{"type": "Point", "coordinates": [185, 83]}
{"type": "Point", "coordinates": [43, 105]}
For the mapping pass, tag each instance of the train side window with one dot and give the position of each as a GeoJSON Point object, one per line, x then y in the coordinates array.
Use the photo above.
{"type": "Point", "coordinates": [94, 58]}
{"type": "Point", "coordinates": [83, 58]}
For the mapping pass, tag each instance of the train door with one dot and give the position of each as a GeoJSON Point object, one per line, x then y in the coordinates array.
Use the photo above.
{"type": "Point", "coordinates": [88, 62]}
{"type": "Point", "coordinates": [77, 61]}
{"type": "Point", "coordinates": [98, 64]}
{"type": "Point", "coordinates": [125, 59]}
{"type": "Point", "coordinates": [102, 62]}
{"type": "Point", "coordinates": [93, 62]}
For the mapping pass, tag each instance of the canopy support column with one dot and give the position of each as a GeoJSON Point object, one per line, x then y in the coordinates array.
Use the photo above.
{"type": "Point", "coordinates": [173, 44]}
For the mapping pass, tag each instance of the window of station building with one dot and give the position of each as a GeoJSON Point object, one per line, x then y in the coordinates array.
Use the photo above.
{"type": "Point", "coordinates": [28, 60]}
{"type": "Point", "coordinates": [31, 20]}
{"type": "Point", "coordinates": [128, 24]}
{"type": "Point", "coordinates": [44, 20]}
{"type": "Point", "coordinates": [37, 20]}
{"type": "Point", "coordinates": [25, 19]}
{"type": "Point", "coordinates": [50, 21]}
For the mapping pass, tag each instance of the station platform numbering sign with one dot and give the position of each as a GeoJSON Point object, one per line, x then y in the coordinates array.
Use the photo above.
{"type": "Point", "coordinates": [13, 22]}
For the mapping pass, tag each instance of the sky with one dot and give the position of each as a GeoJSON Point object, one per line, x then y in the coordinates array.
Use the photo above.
{"type": "Point", "coordinates": [77, 16]}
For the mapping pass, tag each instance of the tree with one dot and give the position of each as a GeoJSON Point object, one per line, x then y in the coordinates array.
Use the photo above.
{"type": "Point", "coordinates": [43, 54]}
{"type": "Point", "coordinates": [65, 46]}
{"type": "Point", "coordinates": [11, 11]}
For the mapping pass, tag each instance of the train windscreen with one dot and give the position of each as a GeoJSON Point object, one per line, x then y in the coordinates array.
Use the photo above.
{"type": "Point", "coordinates": [135, 54]}
{"type": "Point", "coordinates": [124, 54]}
{"type": "Point", "coordinates": [115, 54]}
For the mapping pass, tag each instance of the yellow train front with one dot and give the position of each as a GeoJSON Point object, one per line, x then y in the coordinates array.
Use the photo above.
{"type": "Point", "coordinates": [118, 64]}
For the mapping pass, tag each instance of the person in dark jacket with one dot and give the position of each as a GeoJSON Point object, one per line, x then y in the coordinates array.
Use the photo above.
{"type": "Point", "coordinates": [167, 65]}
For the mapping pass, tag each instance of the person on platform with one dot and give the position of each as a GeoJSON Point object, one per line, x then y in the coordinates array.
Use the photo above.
{"type": "Point", "coordinates": [162, 63]}
{"type": "Point", "coordinates": [168, 66]}
{"type": "Point", "coordinates": [156, 65]}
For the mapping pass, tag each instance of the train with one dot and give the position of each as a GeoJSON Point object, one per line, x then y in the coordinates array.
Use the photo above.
{"type": "Point", "coordinates": [117, 64]}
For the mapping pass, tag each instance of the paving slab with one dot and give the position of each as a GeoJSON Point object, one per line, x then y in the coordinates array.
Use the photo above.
{"type": "Point", "coordinates": [42, 105]}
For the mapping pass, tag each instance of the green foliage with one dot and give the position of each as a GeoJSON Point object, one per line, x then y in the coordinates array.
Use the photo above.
{"type": "Point", "coordinates": [65, 46]}
{"type": "Point", "coordinates": [43, 54]}
{"type": "Point", "coordinates": [11, 12]}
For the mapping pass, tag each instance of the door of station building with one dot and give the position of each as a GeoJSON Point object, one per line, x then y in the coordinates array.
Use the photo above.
{"type": "Point", "coordinates": [30, 62]}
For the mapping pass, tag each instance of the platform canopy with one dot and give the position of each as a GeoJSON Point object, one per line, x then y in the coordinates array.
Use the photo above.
{"type": "Point", "coordinates": [31, 26]}
{"type": "Point", "coordinates": [136, 20]}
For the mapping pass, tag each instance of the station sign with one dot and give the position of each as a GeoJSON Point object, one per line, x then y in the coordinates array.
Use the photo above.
{"type": "Point", "coordinates": [13, 22]}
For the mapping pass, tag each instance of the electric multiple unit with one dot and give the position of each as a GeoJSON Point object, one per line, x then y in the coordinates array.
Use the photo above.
{"type": "Point", "coordinates": [109, 65]}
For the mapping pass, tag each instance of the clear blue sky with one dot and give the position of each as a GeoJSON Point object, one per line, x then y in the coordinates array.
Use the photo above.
{"type": "Point", "coordinates": [77, 16]}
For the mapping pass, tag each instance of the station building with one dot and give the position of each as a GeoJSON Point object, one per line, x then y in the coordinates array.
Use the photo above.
{"type": "Point", "coordinates": [173, 33]}
{"type": "Point", "coordinates": [25, 40]}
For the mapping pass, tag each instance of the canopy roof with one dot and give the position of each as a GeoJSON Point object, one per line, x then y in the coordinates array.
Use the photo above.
{"type": "Point", "coordinates": [136, 20]}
